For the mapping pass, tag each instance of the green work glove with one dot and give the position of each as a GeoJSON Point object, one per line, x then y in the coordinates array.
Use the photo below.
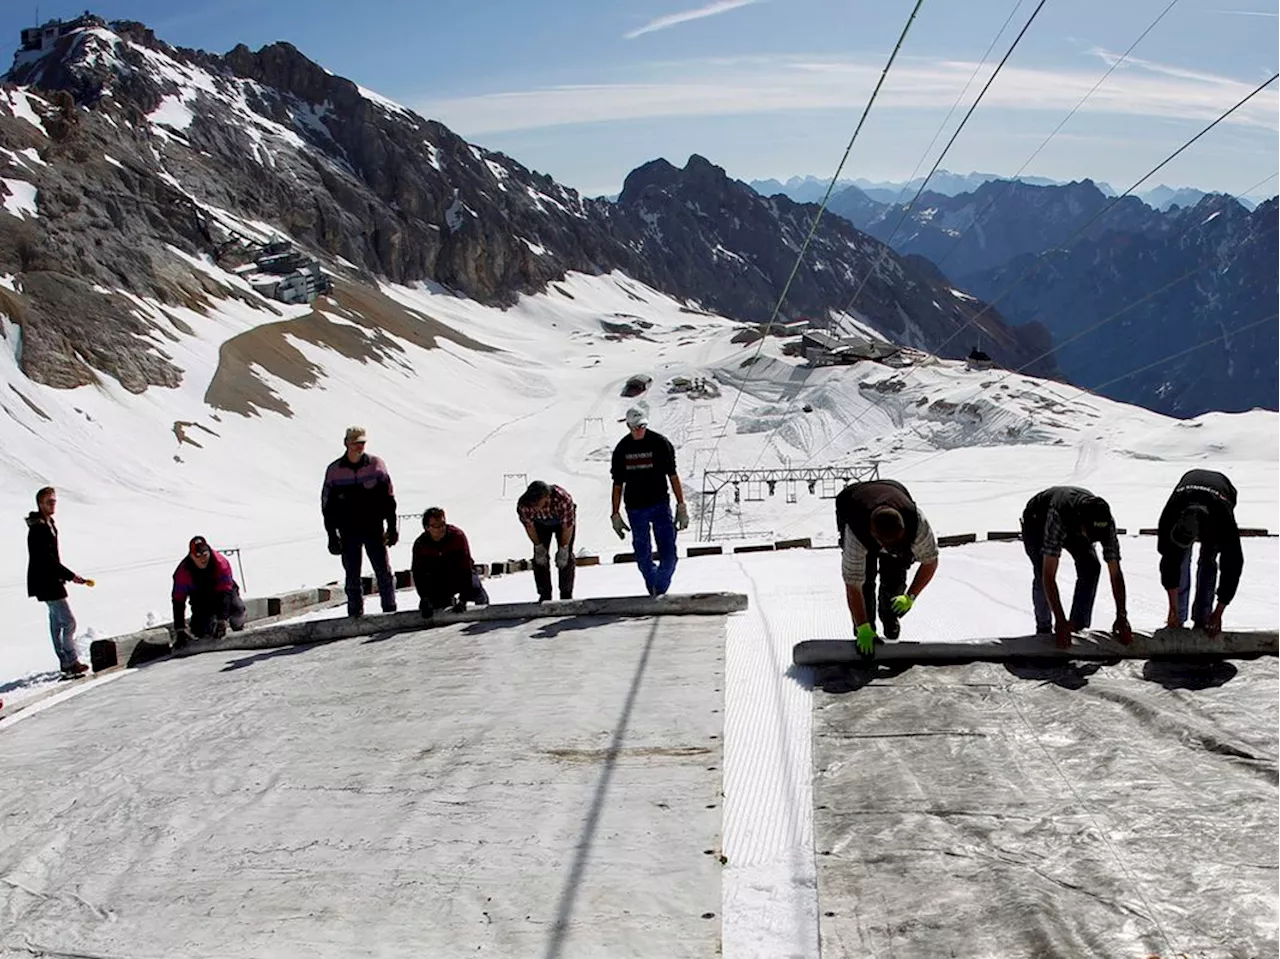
{"type": "Point", "coordinates": [866, 634]}
{"type": "Point", "coordinates": [902, 604]}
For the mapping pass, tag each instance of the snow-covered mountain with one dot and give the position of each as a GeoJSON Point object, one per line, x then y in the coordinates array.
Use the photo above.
{"type": "Point", "coordinates": [481, 326]}
{"type": "Point", "coordinates": [142, 156]}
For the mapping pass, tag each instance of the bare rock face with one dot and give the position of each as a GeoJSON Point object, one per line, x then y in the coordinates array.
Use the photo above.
{"type": "Point", "coordinates": [143, 146]}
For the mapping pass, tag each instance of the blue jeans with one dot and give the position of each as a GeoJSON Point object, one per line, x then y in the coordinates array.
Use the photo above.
{"type": "Point", "coordinates": [657, 579]}
{"type": "Point", "coordinates": [353, 546]}
{"type": "Point", "coordinates": [1088, 569]}
{"type": "Point", "coordinates": [1206, 581]}
{"type": "Point", "coordinates": [62, 628]}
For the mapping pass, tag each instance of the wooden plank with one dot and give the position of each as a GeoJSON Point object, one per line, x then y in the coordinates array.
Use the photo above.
{"type": "Point", "coordinates": [1092, 645]}
{"type": "Point", "coordinates": [345, 627]}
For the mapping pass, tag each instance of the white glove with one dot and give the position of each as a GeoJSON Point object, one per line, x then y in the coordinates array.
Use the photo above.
{"type": "Point", "coordinates": [682, 516]}
{"type": "Point", "coordinates": [540, 555]}
{"type": "Point", "coordinates": [563, 557]}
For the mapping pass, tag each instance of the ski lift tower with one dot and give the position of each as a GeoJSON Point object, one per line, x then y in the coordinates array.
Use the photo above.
{"type": "Point", "coordinates": [832, 478]}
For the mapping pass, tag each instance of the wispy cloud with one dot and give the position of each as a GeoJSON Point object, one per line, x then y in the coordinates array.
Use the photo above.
{"type": "Point", "coordinates": [762, 85]}
{"type": "Point", "coordinates": [1249, 13]}
{"type": "Point", "coordinates": [684, 16]}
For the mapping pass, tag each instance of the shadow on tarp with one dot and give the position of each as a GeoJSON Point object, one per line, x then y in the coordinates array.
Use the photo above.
{"type": "Point", "coordinates": [1069, 675]}
{"type": "Point", "coordinates": [557, 626]}
{"type": "Point", "coordinates": [846, 677]}
{"type": "Point", "coordinates": [1178, 674]}
{"type": "Point", "coordinates": [276, 653]}
{"type": "Point", "coordinates": [1171, 673]}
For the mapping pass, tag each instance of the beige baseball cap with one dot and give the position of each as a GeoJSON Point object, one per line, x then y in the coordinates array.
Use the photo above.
{"type": "Point", "coordinates": [354, 434]}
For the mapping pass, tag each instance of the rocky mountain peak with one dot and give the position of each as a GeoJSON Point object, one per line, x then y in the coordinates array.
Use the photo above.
{"type": "Point", "coordinates": [150, 160]}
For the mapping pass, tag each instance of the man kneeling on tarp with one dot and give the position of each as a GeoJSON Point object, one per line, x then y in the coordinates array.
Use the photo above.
{"type": "Point", "coordinates": [882, 531]}
{"type": "Point", "coordinates": [443, 571]}
{"type": "Point", "coordinates": [204, 577]}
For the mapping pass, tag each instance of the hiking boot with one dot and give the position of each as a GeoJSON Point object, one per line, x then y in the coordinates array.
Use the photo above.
{"type": "Point", "coordinates": [892, 630]}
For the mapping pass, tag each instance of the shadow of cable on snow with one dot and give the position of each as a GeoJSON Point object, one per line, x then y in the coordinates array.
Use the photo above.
{"type": "Point", "coordinates": [569, 892]}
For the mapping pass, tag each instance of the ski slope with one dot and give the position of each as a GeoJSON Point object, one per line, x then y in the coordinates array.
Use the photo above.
{"type": "Point", "coordinates": [504, 397]}
{"type": "Point", "coordinates": [536, 394]}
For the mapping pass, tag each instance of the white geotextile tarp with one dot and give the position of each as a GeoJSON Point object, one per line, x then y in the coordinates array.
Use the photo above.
{"type": "Point", "coordinates": [541, 789]}
{"type": "Point", "coordinates": [1019, 810]}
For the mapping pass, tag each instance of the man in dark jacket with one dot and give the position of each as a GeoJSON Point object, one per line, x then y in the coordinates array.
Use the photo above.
{"type": "Point", "coordinates": [882, 531]}
{"type": "Point", "coordinates": [357, 498]}
{"type": "Point", "coordinates": [548, 512]}
{"type": "Point", "coordinates": [644, 462]}
{"type": "Point", "coordinates": [443, 571]}
{"type": "Point", "coordinates": [1201, 509]}
{"type": "Point", "coordinates": [204, 577]}
{"type": "Point", "coordinates": [47, 579]}
{"type": "Point", "coordinates": [1072, 518]}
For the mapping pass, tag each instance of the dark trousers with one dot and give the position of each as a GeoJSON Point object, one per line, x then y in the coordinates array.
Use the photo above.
{"type": "Point", "coordinates": [1088, 569]}
{"type": "Point", "coordinates": [657, 579]}
{"type": "Point", "coordinates": [431, 596]}
{"type": "Point", "coordinates": [892, 573]}
{"type": "Point", "coordinates": [542, 574]}
{"type": "Point", "coordinates": [1206, 582]}
{"type": "Point", "coordinates": [204, 610]}
{"type": "Point", "coordinates": [354, 545]}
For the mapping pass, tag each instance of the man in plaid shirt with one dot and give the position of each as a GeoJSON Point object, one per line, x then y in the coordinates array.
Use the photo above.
{"type": "Point", "coordinates": [1072, 518]}
{"type": "Point", "coordinates": [548, 511]}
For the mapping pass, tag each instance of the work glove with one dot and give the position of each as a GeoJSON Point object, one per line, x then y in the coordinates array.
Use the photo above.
{"type": "Point", "coordinates": [392, 537]}
{"type": "Point", "coordinates": [563, 557]}
{"type": "Point", "coordinates": [618, 525]}
{"type": "Point", "coordinates": [540, 557]}
{"type": "Point", "coordinates": [866, 634]}
{"type": "Point", "coordinates": [901, 605]}
{"type": "Point", "coordinates": [1122, 631]}
{"type": "Point", "coordinates": [218, 629]}
{"type": "Point", "coordinates": [459, 607]}
{"type": "Point", "coordinates": [181, 637]}
{"type": "Point", "coordinates": [335, 544]}
{"type": "Point", "coordinates": [682, 516]}
{"type": "Point", "coordinates": [1062, 630]}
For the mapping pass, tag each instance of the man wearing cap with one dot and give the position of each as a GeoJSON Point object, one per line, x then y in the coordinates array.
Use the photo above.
{"type": "Point", "coordinates": [357, 498]}
{"type": "Point", "coordinates": [1201, 509]}
{"type": "Point", "coordinates": [204, 577]}
{"type": "Point", "coordinates": [644, 462]}
{"type": "Point", "coordinates": [1072, 518]}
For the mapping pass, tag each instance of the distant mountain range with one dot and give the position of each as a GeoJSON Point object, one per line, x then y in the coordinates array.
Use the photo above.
{"type": "Point", "coordinates": [810, 189]}
{"type": "Point", "coordinates": [1182, 276]}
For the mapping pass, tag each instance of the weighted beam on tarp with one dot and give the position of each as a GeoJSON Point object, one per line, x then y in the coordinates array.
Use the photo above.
{"type": "Point", "coordinates": [345, 627]}
{"type": "Point", "coordinates": [1091, 645]}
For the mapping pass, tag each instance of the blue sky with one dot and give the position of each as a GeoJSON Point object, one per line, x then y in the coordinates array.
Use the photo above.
{"type": "Point", "coordinates": [587, 90]}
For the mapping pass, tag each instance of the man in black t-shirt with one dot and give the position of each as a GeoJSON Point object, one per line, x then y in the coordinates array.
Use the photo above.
{"type": "Point", "coordinates": [643, 464]}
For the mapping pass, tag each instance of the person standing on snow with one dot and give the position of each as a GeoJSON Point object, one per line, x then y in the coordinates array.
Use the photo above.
{"type": "Point", "coordinates": [1201, 509]}
{"type": "Point", "coordinates": [882, 531]}
{"type": "Point", "coordinates": [1072, 518]}
{"type": "Point", "coordinates": [443, 572]}
{"type": "Point", "coordinates": [643, 463]}
{"type": "Point", "coordinates": [547, 512]}
{"type": "Point", "coordinates": [356, 499]}
{"type": "Point", "coordinates": [204, 577]}
{"type": "Point", "coordinates": [47, 579]}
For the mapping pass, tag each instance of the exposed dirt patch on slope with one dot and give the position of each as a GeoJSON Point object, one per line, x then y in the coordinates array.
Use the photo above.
{"type": "Point", "coordinates": [375, 325]}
